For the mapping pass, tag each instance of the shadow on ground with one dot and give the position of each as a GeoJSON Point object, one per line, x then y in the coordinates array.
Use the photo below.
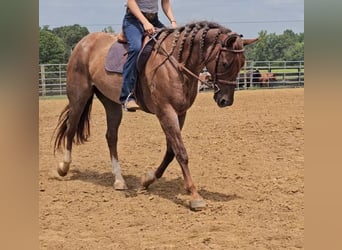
{"type": "Point", "coordinates": [168, 189]}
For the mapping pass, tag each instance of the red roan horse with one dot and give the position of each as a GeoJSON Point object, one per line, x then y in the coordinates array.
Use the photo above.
{"type": "Point", "coordinates": [167, 88]}
{"type": "Point", "coordinates": [267, 78]}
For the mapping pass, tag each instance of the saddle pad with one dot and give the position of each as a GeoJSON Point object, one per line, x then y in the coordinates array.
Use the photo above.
{"type": "Point", "coordinates": [116, 57]}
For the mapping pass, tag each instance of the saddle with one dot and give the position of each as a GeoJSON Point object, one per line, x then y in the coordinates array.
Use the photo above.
{"type": "Point", "coordinates": [117, 54]}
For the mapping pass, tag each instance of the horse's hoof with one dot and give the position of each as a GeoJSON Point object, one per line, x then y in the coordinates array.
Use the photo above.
{"type": "Point", "coordinates": [148, 179]}
{"type": "Point", "coordinates": [197, 205]}
{"type": "Point", "coordinates": [63, 168]}
{"type": "Point", "coordinates": [142, 190]}
{"type": "Point", "coordinates": [120, 185]}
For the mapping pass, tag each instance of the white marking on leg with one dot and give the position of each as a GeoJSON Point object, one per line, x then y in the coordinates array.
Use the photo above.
{"type": "Point", "coordinates": [116, 168]}
{"type": "Point", "coordinates": [67, 156]}
{"type": "Point", "coordinates": [119, 180]}
{"type": "Point", "coordinates": [63, 167]}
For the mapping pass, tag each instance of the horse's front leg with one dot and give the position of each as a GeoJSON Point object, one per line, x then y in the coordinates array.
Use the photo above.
{"type": "Point", "coordinates": [151, 176]}
{"type": "Point", "coordinates": [171, 126]}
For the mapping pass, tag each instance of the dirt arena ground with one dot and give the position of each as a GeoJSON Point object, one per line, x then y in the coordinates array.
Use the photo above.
{"type": "Point", "coordinates": [247, 161]}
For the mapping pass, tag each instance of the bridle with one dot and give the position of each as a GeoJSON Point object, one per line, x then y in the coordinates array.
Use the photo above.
{"type": "Point", "coordinates": [222, 49]}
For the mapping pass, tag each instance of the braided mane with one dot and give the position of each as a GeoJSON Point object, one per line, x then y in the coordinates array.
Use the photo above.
{"type": "Point", "coordinates": [184, 36]}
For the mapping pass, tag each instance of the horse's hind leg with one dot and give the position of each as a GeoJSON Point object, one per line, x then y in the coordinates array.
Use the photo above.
{"type": "Point", "coordinates": [76, 110]}
{"type": "Point", "coordinates": [113, 116]}
{"type": "Point", "coordinates": [75, 118]}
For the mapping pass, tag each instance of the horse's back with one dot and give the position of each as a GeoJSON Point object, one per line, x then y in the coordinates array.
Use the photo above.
{"type": "Point", "coordinates": [88, 59]}
{"type": "Point", "coordinates": [93, 45]}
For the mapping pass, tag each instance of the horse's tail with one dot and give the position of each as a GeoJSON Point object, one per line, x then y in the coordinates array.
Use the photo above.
{"type": "Point", "coordinates": [82, 130]}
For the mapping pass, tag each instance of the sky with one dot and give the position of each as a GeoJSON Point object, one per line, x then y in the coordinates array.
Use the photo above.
{"type": "Point", "coordinates": [247, 17]}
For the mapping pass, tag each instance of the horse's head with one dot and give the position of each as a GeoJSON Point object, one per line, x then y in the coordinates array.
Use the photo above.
{"type": "Point", "coordinates": [226, 66]}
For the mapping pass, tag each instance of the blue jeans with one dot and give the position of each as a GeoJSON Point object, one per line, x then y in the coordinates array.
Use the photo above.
{"type": "Point", "coordinates": [134, 32]}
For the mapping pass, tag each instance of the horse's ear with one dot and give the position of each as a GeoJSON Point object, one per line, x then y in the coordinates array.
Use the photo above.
{"type": "Point", "coordinates": [229, 41]}
{"type": "Point", "coordinates": [249, 41]}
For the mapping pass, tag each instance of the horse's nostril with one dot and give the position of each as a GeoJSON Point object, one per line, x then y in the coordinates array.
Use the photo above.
{"type": "Point", "coordinates": [223, 102]}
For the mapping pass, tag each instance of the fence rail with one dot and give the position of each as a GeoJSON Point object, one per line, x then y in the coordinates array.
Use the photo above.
{"type": "Point", "coordinates": [52, 77]}
{"type": "Point", "coordinates": [271, 74]}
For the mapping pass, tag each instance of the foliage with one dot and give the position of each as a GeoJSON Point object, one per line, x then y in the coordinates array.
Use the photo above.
{"type": "Point", "coordinates": [51, 48]}
{"type": "Point", "coordinates": [71, 35]}
{"type": "Point", "coordinates": [56, 45]}
{"type": "Point", "coordinates": [271, 47]}
{"type": "Point", "coordinates": [108, 29]}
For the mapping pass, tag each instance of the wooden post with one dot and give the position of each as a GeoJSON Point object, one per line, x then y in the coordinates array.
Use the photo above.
{"type": "Point", "coordinates": [42, 77]}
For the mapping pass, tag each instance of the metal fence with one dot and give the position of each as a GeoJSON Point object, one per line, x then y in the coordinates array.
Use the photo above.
{"type": "Point", "coordinates": [52, 77]}
{"type": "Point", "coordinates": [271, 74]}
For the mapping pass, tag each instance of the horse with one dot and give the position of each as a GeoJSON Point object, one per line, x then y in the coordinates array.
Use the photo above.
{"type": "Point", "coordinates": [167, 87]}
{"type": "Point", "coordinates": [251, 78]}
{"type": "Point", "coordinates": [267, 78]}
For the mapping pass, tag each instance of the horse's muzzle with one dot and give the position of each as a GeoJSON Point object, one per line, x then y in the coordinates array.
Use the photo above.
{"type": "Point", "coordinates": [224, 102]}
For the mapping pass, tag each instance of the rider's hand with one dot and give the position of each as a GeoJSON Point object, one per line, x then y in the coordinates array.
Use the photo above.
{"type": "Point", "coordinates": [149, 28]}
{"type": "Point", "coordinates": [174, 24]}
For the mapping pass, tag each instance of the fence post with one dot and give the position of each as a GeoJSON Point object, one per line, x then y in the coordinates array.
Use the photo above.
{"type": "Point", "coordinates": [299, 73]}
{"type": "Point", "coordinates": [269, 66]}
{"type": "Point", "coordinates": [244, 76]}
{"type": "Point", "coordinates": [251, 75]}
{"type": "Point", "coordinates": [42, 76]}
{"type": "Point", "coordinates": [284, 74]}
{"type": "Point", "coordinates": [60, 79]}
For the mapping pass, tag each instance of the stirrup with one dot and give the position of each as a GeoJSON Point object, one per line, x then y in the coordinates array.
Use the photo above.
{"type": "Point", "coordinates": [130, 105]}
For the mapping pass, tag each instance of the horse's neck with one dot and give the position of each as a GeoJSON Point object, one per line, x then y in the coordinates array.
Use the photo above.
{"type": "Point", "coordinates": [199, 52]}
{"type": "Point", "coordinates": [192, 60]}
{"type": "Point", "coordinates": [191, 47]}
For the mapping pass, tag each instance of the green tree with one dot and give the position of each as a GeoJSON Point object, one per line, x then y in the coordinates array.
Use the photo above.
{"type": "Point", "coordinates": [108, 29]}
{"type": "Point", "coordinates": [295, 52]}
{"type": "Point", "coordinates": [51, 47]}
{"type": "Point", "coordinates": [301, 37]}
{"type": "Point", "coordinates": [258, 51]}
{"type": "Point", "coordinates": [294, 46]}
{"type": "Point", "coordinates": [71, 35]}
{"type": "Point", "coordinates": [271, 47]}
